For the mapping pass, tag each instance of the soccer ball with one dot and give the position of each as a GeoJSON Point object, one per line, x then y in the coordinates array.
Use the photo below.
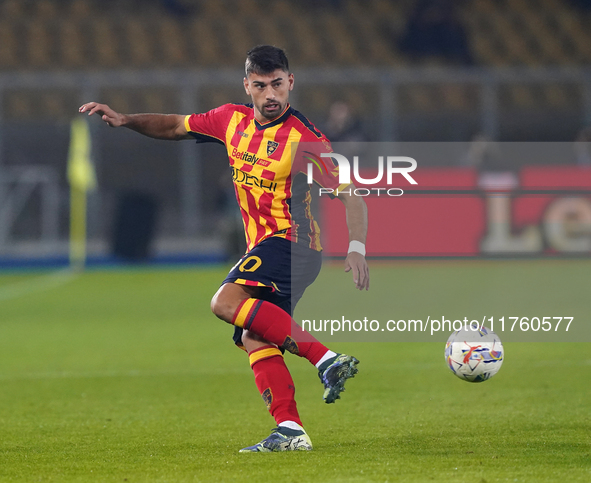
{"type": "Point", "coordinates": [474, 355]}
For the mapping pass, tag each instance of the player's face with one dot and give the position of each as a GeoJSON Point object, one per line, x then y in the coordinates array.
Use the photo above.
{"type": "Point", "coordinates": [269, 93]}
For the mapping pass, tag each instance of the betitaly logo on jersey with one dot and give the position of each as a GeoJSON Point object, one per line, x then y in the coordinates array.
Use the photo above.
{"type": "Point", "coordinates": [245, 156]}
{"type": "Point", "coordinates": [271, 147]}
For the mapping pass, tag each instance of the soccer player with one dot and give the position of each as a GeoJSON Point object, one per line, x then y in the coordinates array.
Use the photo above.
{"type": "Point", "coordinates": [263, 141]}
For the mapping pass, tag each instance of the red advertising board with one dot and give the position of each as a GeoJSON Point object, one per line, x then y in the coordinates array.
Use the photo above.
{"type": "Point", "coordinates": [460, 212]}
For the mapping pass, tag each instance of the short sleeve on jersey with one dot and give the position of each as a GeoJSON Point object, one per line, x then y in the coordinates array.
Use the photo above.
{"type": "Point", "coordinates": [209, 126]}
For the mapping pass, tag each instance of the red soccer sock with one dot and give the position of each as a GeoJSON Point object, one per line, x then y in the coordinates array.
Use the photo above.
{"type": "Point", "coordinates": [274, 383]}
{"type": "Point", "coordinates": [275, 325]}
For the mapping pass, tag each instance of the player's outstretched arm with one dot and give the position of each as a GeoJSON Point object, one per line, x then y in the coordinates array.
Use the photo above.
{"type": "Point", "coordinates": [357, 224]}
{"type": "Point", "coordinates": [159, 126]}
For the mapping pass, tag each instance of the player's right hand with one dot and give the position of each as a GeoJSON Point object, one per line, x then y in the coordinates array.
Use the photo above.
{"type": "Point", "coordinates": [112, 118]}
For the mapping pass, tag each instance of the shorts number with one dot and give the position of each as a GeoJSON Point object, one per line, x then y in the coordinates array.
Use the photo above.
{"type": "Point", "coordinates": [257, 262]}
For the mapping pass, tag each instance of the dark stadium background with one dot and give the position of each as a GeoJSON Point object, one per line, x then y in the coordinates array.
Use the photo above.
{"type": "Point", "coordinates": [408, 70]}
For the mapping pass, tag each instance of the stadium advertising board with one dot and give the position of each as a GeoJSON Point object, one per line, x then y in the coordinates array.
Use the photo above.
{"type": "Point", "coordinates": [451, 211]}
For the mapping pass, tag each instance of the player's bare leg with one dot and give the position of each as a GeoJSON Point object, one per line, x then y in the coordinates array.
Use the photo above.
{"type": "Point", "coordinates": [229, 296]}
{"type": "Point", "coordinates": [252, 341]}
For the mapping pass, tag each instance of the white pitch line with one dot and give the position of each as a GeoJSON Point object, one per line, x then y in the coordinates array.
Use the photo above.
{"type": "Point", "coordinates": [37, 284]}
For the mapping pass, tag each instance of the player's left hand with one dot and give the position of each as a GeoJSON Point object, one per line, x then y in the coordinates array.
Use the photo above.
{"type": "Point", "coordinates": [356, 263]}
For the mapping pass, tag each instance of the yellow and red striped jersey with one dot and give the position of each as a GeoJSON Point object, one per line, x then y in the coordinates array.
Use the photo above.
{"type": "Point", "coordinates": [268, 170]}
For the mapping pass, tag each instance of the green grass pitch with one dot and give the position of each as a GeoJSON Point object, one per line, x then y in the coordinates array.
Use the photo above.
{"type": "Point", "coordinates": [125, 375]}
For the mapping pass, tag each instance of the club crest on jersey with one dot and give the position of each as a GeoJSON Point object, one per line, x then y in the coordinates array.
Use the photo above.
{"type": "Point", "coordinates": [271, 147]}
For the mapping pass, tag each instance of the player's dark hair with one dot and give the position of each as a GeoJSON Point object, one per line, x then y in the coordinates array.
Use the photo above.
{"type": "Point", "coordinates": [265, 59]}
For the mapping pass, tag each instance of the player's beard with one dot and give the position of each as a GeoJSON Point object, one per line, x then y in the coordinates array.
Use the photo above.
{"type": "Point", "coordinates": [274, 113]}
